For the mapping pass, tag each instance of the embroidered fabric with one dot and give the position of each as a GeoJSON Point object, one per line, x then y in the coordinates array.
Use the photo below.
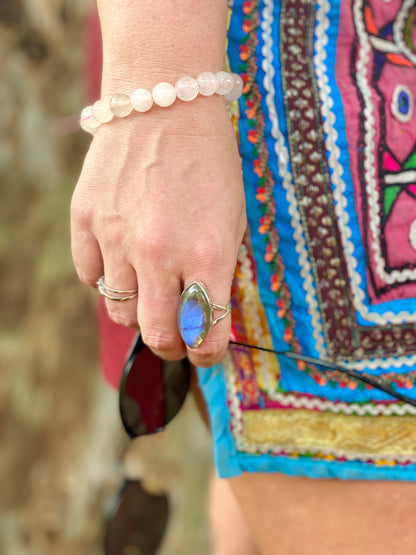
{"type": "Point", "coordinates": [328, 265]}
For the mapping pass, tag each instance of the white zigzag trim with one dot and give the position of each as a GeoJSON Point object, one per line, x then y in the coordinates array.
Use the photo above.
{"type": "Point", "coordinates": [283, 163]}
{"type": "Point", "coordinates": [314, 403]}
{"type": "Point", "coordinates": [234, 408]}
{"type": "Point", "coordinates": [382, 363]}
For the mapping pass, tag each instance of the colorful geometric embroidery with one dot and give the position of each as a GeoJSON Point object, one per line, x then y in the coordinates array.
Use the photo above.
{"type": "Point", "coordinates": [322, 269]}
{"type": "Point", "coordinates": [386, 91]}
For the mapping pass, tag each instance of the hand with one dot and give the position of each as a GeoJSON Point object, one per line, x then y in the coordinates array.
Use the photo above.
{"type": "Point", "coordinates": [160, 204]}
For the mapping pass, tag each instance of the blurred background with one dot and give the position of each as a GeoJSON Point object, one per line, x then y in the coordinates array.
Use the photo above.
{"type": "Point", "coordinates": [63, 453]}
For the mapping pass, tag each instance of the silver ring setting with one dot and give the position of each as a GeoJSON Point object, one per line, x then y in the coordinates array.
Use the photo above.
{"type": "Point", "coordinates": [115, 294]}
{"type": "Point", "coordinates": [196, 314]}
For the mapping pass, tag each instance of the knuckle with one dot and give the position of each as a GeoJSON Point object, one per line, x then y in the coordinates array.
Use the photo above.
{"type": "Point", "coordinates": [159, 340]}
{"type": "Point", "coordinates": [174, 356]}
{"type": "Point", "coordinates": [209, 353]}
{"type": "Point", "coordinates": [208, 253]}
{"type": "Point", "coordinates": [150, 245]}
{"type": "Point", "coordinates": [81, 213]}
{"type": "Point", "coordinates": [87, 279]}
{"type": "Point", "coordinates": [109, 227]}
{"type": "Point", "coordinates": [122, 318]}
{"type": "Point", "coordinates": [113, 238]}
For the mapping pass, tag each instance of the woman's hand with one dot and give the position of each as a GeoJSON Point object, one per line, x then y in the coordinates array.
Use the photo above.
{"type": "Point", "coordinates": [160, 204]}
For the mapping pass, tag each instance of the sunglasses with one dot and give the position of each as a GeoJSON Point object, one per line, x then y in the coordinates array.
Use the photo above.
{"type": "Point", "coordinates": [137, 521]}
{"type": "Point", "coordinates": [152, 392]}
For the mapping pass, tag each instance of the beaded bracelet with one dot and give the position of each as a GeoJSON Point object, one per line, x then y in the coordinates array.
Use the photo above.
{"type": "Point", "coordinates": [229, 85]}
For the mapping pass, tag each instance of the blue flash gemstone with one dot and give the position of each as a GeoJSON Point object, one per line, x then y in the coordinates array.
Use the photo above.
{"type": "Point", "coordinates": [194, 315]}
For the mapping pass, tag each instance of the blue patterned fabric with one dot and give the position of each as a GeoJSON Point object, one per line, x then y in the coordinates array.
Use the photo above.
{"type": "Point", "coordinates": [327, 134]}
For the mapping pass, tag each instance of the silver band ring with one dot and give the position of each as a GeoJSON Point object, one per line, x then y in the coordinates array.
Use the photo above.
{"type": "Point", "coordinates": [115, 294]}
{"type": "Point", "coordinates": [196, 314]}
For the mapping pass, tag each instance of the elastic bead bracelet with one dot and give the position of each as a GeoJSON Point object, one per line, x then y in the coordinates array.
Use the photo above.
{"type": "Point", "coordinates": [229, 85]}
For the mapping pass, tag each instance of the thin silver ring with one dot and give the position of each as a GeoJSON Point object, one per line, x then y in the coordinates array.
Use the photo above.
{"type": "Point", "coordinates": [112, 294]}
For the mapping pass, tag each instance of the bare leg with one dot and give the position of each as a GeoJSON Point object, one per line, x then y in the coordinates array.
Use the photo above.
{"type": "Point", "coordinates": [230, 533]}
{"type": "Point", "coordinates": [301, 516]}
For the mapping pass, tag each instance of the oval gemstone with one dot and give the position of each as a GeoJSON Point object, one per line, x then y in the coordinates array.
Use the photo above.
{"type": "Point", "coordinates": [194, 315]}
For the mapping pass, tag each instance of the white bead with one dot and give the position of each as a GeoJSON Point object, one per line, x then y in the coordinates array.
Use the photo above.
{"type": "Point", "coordinates": [225, 82]}
{"type": "Point", "coordinates": [120, 105]}
{"type": "Point", "coordinates": [87, 121]}
{"type": "Point", "coordinates": [141, 100]}
{"type": "Point", "coordinates": [186, 88]}
{"type": "Point", "coordinates": [237, 89]}
{"type": "Point", "coordinates": [164, 94]}
{"type": "Point", "coordinates": [101, 110]}
{"type": "Point", "coordinates": [207, 83]}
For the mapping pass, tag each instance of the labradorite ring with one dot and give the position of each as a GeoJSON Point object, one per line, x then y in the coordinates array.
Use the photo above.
{"type": "Point", "coordinates": [196, 314]}
{"type": "Point", "coordinates": [115, 294]}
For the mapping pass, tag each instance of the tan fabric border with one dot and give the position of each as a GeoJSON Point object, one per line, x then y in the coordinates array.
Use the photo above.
{"type": "Point", "coordinates": [315, 431]}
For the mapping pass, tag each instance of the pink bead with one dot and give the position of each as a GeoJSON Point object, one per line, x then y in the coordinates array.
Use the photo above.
{"type": "Point", "coordinates": [186, 88]}
{"type": "Point", "coordinates": [164, 94]}
{"type": "Point", "coordinates": [207, 83]}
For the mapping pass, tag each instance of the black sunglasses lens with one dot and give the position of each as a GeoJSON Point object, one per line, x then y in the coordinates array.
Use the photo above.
{"type": "Point", "coordinates": [151, 391]}
{"type": "Point", "coordinates": [138, 522]}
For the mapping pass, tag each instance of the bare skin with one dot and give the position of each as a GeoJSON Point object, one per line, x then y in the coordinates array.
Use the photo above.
{"type": "Point", "coordinates": [230, 532]}
{"type": "Point", "coordinates": [159, 204]}
{"type": "Point", "coordinates": [160, 200]}
{"type": "Point", "coordinates": [300, 516]}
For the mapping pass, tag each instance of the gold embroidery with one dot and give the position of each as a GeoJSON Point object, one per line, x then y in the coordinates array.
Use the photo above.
{"type": "Point", "coordinates": [314, 432]}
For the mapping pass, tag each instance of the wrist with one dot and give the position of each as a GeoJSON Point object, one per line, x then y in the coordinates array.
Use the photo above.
{"type": "Point", "coordinates": [132, 71]}
{"type": "Point", "coordinates": [184, 92]}
{"type": "Point", "coordinates": [150, 41]}
{"type": "Point", "coordinates": [205, 118]}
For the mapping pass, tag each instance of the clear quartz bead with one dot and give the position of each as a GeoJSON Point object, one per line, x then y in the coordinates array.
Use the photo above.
{"type": "Point", "coordinates": [187, 88]}
{"type": "Point", "coordinates": [101, 110]}
{"type": "Point", "coordinates": [164, 94]}
{"type": "Point", "coordinates": [225, 83]}
{"type": "Point", "coordinates": [120, 105]}
{"type": "Point", "coordinates": [87, 121]}
{"type": "Point", "coordinates": [237, 89]}
{"type": "Point", "coordinates": [141, 100]}
{"type": "Point", "coordinates": [207, 82]}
